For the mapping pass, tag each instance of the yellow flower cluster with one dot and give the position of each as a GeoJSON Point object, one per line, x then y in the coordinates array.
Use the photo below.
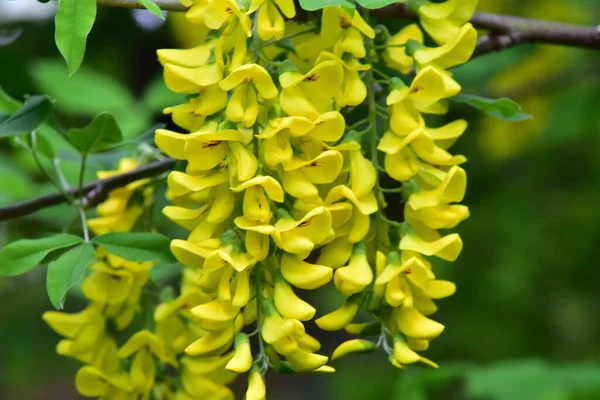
{"type": "Point", "coordinates": [432, 179]}
{"type": "Point", "coordinates": [114, 290]}
{"type": "Point", "coordinates": [278, 196]}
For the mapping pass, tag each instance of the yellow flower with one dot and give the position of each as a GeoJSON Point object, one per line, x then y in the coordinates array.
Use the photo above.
{"type": "Point", "coordinates": [91, 382]}
{"type": "Point", "coordinates": [242, 360]}
{"type": "Point", "coordinates": [257, 192]}
{"type": "Point", "coordinates": [304, 275]}
{"type": "Point", "coordinates": [447, 248]}
{"type": "Point", "coordinates": [84, 331]}
{"type": "Point", "coordinates": [442, 21]}
{"type": "Point", "coordinates": [429, 87]}
{"type": "Point", "coordinates": [357, 275]}
{"type": "Point", "coordinates": [353, 91]}
{"type": "Point", "coordinates": [344, 30]}
{"type": "Point", "coordinates": [440, 187]}
{"type": "Point", "coordinates": [403, 354]}
{"type": "Point", "coordinates": [353, 346]}
{"type": "Point", "coordinates": [248, 81]}
{"type": "Point", "coordinates": [212, 343]}
{"type": "Point", "coordinates": [202, 150]}
{"type": "Point", "coordinates": [299, 176]}
{"type": "Point", "coordinates": [192, 115]}
{"type": "Point", "coordinates": [395, 55]}
{"type": "Point", "coordinates": [276, 147]}
{"type": "Point", "coordinates": [216, 13]}
{"type": "Point", "coordinates": [270, 23]}
{"type": "Point", "coordinates": [300, 237]}
{"type": "Point", "coordinates": [312, 93]}
{"type": "Point", "coordinates": [288, 303]}
{"type": "Point", "coordinates": [414, 324]}
{"type": "Point", "coordinates": [455, 52]}
{"type": "Point", "coordinates": [256, 386]}
{"type": "Point", "coordinates": [343, 316]}
{"type": "Point", "coordinates": [231, 49]}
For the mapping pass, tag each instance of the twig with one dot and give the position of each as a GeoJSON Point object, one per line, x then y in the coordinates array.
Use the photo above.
{"type": "Point", "coordinates": [507, 30]}
{"type": "Point", "coordinates": [92, 193]}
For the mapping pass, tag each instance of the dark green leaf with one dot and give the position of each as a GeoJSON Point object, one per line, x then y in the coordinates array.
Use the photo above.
{"type": "Point", "coordinates": [74, 21]}
{"type": "Point", "coordinates": [503, 108]}
{"type": "Point", "coordinates": [33, 113]}
{"type": "Point", "coordinates": [67, 271]}
{"type": "Point", "coordinates": [102, 133]}
{"type": "Point", "coordinates": [152, 7]}
{"type": "Point", "coordinates": [312, 5]}
{"type": "Point", "coordinates": [21, 256]}
{"type": "Point", "coordinates": [373, 4]}
{"type": "Point", "coordinates": [85, 93]}
{"type": "Point", "coordinates": [137, 246]}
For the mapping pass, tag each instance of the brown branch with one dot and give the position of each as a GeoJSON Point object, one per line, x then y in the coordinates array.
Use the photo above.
{"type": "Point", "coordinates": [93, 192]}
{"type": "Point", "coordinates": [507, 31]}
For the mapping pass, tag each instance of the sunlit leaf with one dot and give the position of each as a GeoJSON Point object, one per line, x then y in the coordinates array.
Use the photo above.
{"type": "Point", "coordinates": [74, 21]}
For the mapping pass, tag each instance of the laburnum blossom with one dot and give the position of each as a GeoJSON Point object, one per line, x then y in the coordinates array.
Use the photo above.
{"type": "Point", "coordinates": [281, 142]}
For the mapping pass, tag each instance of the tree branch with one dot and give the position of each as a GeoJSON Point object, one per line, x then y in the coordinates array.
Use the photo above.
{"type": "Point", "coordinates": [92, 193]}
{"type": "Point", "coordinates": [505, 30]}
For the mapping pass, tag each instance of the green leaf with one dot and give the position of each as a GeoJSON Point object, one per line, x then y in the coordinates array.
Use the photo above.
{"type": "Point", "coordinates": [67, 271]}
{"type": "Point", "coordinates": [137, 246]}
{"type": "Point", "coordinates": [102, 133]}
{"type": "Point", "coordinates": [21, 256]}
{"type": "Point", "coordinates": [503, 108]}
{"type": "Point", "coordinates": [312, 5]}
{"type": "Point", "coordinates": [373, 4]}
{"type": "Point", "coordinates": [74, 21]}
{"type": "Point", "coordinates": [85, 93]}
{"type": "Point", "coordinates": [31, 115]}
{"type": "Point", "coordinates": [152, 7]}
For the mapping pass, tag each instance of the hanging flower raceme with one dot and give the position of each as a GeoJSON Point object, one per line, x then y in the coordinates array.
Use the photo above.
{"type": "Point", "coordinates": [280, 195]}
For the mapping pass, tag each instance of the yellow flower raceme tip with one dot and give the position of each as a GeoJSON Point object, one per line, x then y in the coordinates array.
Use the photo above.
{"type": "Point", "coordinates": [256, 386]}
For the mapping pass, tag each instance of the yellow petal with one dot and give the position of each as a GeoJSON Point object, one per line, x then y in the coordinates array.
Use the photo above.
{"type": "Point", "coordinates": [289, 304]}
{"type": "Point", "coordinates": [302, 274]}
{"type": "Point", "coordinates": [412, 323]}
{"type": "Point", "coordinates": [242, 360]}
{"type": "Point", "coordinates": [340, 318]}
{"type": "Point", "coordinates": [353, 346]}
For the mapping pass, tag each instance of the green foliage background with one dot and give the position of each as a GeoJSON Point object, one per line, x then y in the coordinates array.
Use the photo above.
{"type": "Point", "coordinates": [524, 323]}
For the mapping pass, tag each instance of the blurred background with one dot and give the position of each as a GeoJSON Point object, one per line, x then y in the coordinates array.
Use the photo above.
{"type": "Point", "coordinates": [523, 324]}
